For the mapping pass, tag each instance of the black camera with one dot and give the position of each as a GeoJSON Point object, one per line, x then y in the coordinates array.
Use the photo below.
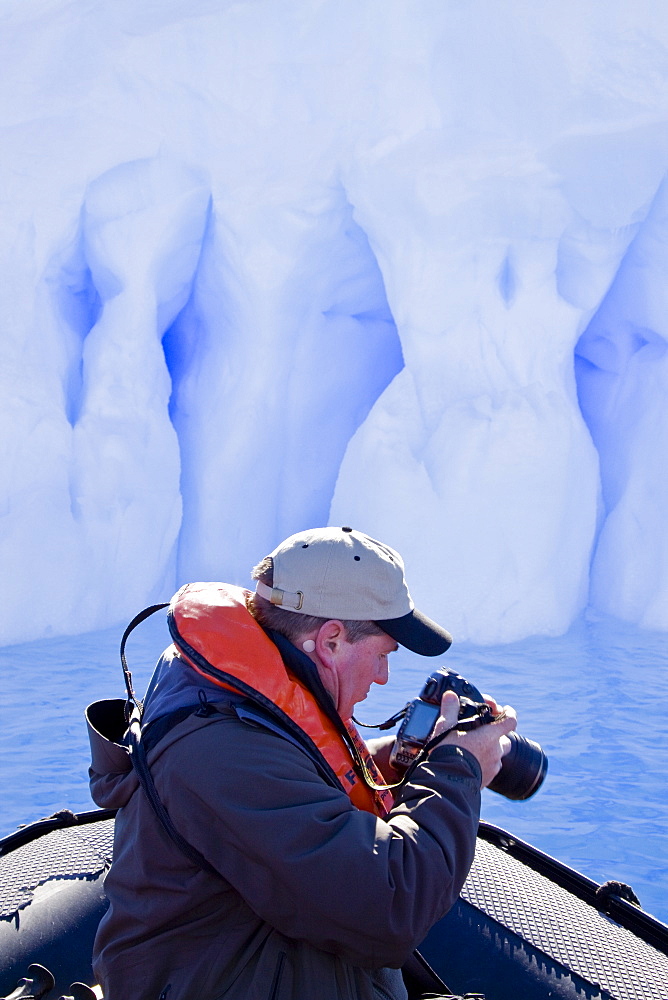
{"type": "Point", "coordinates": [522, 769]}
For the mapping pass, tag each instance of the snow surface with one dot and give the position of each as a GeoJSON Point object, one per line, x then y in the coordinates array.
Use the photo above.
{"type": "Point", "coordinates": [270, 264]}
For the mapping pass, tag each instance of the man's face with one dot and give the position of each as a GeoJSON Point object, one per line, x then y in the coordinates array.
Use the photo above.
{"type": "Point", "coordinates": [356, 667]}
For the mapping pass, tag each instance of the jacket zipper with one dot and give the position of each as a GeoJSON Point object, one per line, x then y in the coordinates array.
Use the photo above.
{"type": "Point", "coordinates": [278, 975]}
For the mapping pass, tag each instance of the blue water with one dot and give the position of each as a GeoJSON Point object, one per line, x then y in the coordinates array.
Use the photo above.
{"type": "Point", "coordinates": [594, 699]}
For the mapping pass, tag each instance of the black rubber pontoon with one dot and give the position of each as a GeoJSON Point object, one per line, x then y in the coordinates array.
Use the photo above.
{"type": "Point", "coordinates": [52, 896]}
{"type": "Point", "coordinates": [525, 928]}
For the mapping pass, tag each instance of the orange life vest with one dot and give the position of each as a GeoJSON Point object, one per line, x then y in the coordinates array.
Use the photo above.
{"type": "Point", "coordinates": [214, 621]}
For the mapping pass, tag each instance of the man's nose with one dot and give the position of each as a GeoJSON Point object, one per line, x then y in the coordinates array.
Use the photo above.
{"type": "Point", "coordinates": [383, 673]}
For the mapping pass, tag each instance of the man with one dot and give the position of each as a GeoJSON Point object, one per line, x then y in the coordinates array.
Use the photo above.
{"type": "Point", "coordinates": [286, 869]}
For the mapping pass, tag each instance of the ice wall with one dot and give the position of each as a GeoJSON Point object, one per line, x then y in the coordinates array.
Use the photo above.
{"type": "Point", "coordinates": [623, 384]}
{"type": "Point", "coordinates": [272, 263]}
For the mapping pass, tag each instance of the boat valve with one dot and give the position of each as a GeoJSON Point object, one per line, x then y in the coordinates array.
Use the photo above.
{"type": "Point", "coordinates": [79, 991]}
{"type": "Point", "coordinates": [36, 984]}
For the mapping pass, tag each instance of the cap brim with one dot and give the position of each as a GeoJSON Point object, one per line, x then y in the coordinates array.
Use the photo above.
{"type": "Point", "coordinates": [418, 633]}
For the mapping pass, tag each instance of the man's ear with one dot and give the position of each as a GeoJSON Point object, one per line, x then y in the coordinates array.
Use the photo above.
{"type": "Point", "coordinates": [328, 641]}
{"type": "Point", "coordinates": [328, 645]}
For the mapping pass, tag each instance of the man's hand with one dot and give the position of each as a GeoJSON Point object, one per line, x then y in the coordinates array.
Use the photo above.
{"type": "Point", "coordinates": [380, 749]}
{"type": "Point", "coordinates": [488, 744]}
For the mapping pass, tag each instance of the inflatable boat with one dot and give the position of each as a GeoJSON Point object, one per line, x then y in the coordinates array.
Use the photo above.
{"type": "Point", "coordinates": [526, 927]}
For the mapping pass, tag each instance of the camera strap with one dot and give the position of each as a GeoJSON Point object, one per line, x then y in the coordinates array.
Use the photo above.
{"type": "Point", "coordinates": [133, 716]}
{"type": "Point", "coordinates": [471, 723]}
{"type": "Point", "coordinates": [425, 751]}
{"type": "Point", "coordinates": [133, 703]}
{"type": "Point", "coordinates": [388, 724]}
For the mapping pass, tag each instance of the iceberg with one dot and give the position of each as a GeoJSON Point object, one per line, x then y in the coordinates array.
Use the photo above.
{"type": "Point", "coordinates": [270, 264]}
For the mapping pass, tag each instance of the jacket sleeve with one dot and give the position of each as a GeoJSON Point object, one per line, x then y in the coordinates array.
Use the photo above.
{"type": "Point", "coordinates": [305, 859]}
{"type": "Point", "coordinates": [112, 780]}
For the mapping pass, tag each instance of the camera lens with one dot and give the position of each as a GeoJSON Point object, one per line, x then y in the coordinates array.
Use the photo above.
{"type": "Point", "coordinates": [523, 769]}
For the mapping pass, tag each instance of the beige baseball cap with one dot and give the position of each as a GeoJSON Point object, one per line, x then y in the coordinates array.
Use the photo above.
{"type": "Point", "coordinates": [345, 574]}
